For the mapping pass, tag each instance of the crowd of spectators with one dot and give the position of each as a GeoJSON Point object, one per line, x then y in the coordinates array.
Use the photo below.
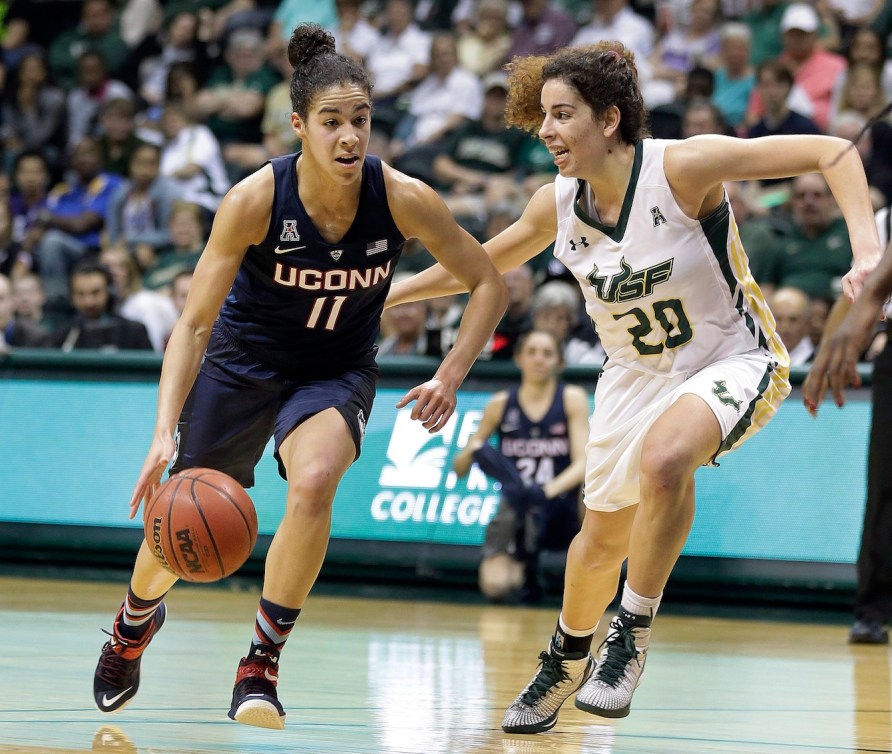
{"type": "Point", "coordinates": [123, 123]}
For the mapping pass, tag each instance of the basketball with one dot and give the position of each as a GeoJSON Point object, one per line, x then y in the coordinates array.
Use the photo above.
{"type": "Point", "coordinates": [201, 525]}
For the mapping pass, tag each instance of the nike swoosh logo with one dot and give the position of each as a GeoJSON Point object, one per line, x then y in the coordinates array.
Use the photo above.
{"type": "Point", "coordinates": [106, 702]}
{"type": "Point", "coordinates": [285, 622]}
{"type": "Point", "coordinates": [269, 676]}
{"type": "Point", "coordinates": [280, 250]}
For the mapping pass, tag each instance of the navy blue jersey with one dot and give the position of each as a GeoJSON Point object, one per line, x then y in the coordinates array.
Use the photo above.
{"type": "Point", "coordinates": [301, 304]}
{"type": "Point", "coordinates": [540, 450]}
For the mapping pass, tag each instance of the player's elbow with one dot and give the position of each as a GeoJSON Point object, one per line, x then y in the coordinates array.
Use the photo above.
{"type": "Point", "coordinates": [502, 294]}
{"type": "Point", "coordinates": [496, 290]}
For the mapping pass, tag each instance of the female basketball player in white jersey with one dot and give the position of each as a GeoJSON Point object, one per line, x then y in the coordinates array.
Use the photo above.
{"type": "Point", "coordinates": [694, 366]}
{"type": "Point", "coordinates": [277, 339]}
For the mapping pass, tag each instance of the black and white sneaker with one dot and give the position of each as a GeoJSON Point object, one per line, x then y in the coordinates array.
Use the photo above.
{"type": "Point", "coordinates": [608, 692]}
{"type": "Point", "coordinates": [254, 698]}
{"type": "Point", "coordinates": [116, 680]}
{"type": "Point", "coordinates": [536, 708]}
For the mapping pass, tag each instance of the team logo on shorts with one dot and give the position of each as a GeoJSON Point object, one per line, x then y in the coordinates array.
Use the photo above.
{"type": "Point", "coordinates": [289, 231]}
{"type": "Point", "coordinates": [360, 420]}
{"type": "Point", "coordinates": [720, 391]}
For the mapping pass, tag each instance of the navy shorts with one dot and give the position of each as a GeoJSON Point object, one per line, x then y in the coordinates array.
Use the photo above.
{"type": "Point", "coordinates": [237, 403]}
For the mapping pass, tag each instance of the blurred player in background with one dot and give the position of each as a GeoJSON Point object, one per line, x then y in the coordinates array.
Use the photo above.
{"type": "Point", "coordinates": [542, 427]}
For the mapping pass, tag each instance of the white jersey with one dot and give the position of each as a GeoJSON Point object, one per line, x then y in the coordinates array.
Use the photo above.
{"type": "Point", "coordinates": [668, 294]}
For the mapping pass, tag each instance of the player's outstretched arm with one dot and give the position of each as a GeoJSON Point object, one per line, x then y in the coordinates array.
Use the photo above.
{"type": "Point", "coordinates": [241, 220]}
{"type": "Point", "coordinates": [420, 213]}
{"type": "Point", "coordinates": [523, 240]}
{"type": "Point", "coordinates": [696, 168]}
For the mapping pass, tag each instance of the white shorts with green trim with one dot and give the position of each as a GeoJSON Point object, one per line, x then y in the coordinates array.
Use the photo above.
{"type": "Point", "coordinates": [743, 391]}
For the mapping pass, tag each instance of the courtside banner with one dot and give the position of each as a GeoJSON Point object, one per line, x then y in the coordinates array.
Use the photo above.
{"type": "Point", "coordinates": [72, 450]}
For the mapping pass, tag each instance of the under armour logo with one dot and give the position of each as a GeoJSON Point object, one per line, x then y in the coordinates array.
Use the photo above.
{"type": "Point", "coordinates": [581, 242]}
{"type": "Point", "coordinates": [658, 217]}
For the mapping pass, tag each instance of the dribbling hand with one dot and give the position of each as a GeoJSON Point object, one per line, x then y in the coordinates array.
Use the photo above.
{"type": "Point", "coordinates": [159, 455]}
{"type": "Point", "coordinates": [434, 404]}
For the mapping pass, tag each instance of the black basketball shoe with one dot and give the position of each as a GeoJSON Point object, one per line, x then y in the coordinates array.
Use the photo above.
{"type": "Point", "coordinates": [116, 680]}
{"type": "Point", "coordinates": [254, 699]}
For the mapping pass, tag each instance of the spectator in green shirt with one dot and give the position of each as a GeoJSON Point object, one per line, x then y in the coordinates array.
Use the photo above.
{"type": "Point", "coordinates": [231, 103]}
{"type": "Point", "coordinates": [815, 252]}
{"type": "Point", "coordinates": [97, 31]}
{"type": "Point", "coordinates": [187, 239]}
{"type": "Point", "coordinates": [764, 23]}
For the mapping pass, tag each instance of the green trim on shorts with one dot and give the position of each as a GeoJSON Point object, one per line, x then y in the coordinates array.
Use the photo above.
{"type": "Point", "coordinates": [746, 420]}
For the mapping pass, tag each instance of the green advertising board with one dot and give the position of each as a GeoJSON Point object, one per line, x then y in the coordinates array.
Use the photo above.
{"type": "Point", "coordinates": [72, 450]}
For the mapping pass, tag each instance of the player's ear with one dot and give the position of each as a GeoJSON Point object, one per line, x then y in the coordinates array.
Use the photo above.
{"type": "Point", "coordinates": [611, 118]}
{"type": "Point", "coordinates": [298, 125]}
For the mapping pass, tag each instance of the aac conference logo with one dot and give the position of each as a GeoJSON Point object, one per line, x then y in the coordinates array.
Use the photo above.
{"type": "Point", "coordinates": [419, 484]}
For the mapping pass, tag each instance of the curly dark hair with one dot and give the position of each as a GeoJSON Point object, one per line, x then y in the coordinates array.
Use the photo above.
{"type": "Point", "coordinates": [604, 75]}
{"type": "Point", "coordinates": [317, 65]}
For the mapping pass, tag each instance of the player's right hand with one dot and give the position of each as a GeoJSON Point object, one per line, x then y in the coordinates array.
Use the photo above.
{"type": "Point", "coordinates": [159, 455]}
{"type": "Point", "coordinates": [434, 404]}
{"type": "Point", "coordinates": [835, 367]}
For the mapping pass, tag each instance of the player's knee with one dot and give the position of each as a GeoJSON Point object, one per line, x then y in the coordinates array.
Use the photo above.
{"type": "Point", "coordinates": [313, 489]}
{"type": "Point", "coordinates": [601, 554]}
{"type": "Point", "coordinates": [663, 469]}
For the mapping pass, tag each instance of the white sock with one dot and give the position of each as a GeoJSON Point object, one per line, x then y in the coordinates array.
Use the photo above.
{"type": "Point", "coordinates": [638, 605]}
{"type": "Point", "coordinates": [575, 631]}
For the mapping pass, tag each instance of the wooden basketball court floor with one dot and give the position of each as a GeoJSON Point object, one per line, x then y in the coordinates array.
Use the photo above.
{"type": "Point", "coordinates": [369, 676]}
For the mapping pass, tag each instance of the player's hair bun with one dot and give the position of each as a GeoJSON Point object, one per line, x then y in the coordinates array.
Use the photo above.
{"type": "Point", "coordinates": [307, 42]}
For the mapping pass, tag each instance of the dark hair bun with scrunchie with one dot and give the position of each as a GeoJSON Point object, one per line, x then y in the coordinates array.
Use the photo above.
{"type": "Point", "coordinates": [309, 41]}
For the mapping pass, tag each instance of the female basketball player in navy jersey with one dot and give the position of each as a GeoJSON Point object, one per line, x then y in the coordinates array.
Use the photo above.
{"type": "Point", "coordinates": [694, 366]}
{"type": "Point", "coordinates": [542, 426]}
{"type": "Point", "coordinates": [278, 339]}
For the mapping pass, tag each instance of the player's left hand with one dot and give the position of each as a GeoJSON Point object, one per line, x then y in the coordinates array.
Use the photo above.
{"type": "Point", "coordinates": [434, 404]}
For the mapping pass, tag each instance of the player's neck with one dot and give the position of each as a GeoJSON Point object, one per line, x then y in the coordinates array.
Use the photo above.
{"type": "Point", "coordinates": [331, 206]}
{"type": "Point", "coordinates": [610, 179]}
{"type": "Point", "coordinates": [536, 390]}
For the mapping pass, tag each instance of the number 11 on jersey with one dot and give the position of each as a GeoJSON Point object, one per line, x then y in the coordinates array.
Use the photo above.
{"type": "Point", "coordinates": [319, 305]}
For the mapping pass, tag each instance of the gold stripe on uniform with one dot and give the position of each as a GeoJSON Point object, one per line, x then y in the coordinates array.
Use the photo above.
{"type": "Point", "coordinates": [779, 380]}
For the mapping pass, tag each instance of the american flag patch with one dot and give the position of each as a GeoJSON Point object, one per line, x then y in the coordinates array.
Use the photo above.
{"type": "Point", "coordinates": [376, 248]}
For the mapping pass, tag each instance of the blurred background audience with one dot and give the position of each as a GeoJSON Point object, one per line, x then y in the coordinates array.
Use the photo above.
{"type": "Point", "coordinates": [123, 124]}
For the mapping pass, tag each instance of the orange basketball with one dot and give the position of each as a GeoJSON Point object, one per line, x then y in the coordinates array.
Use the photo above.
{"type": "Point", "coordinates": [201, 525]}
